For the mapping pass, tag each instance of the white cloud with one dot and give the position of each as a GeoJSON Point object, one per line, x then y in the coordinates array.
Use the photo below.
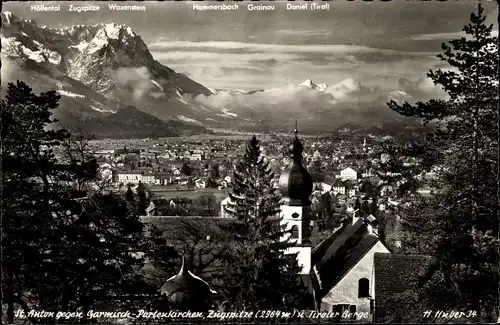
{"type": "Point", "coordinates": [269, 48]}
{"type": "Point", "coordinates": [305, 32]}
{"type": "Point", "coordinates": [445, 36]}
{"type": "Point", "coordinates": [422, 88]}
{"type": "Point", "coordinates": [221, 59]}
{"type": "Point", "coordinates": [139, 79]}
{"type": "Point", "coordinates": [7, 70]}
{"type": "Point", "coordinates": [291, 98]}
{"type": "Point", "coordinates": [264, 70]}
{"type": "Point", "coordinates": [250, 66]}
{"type": "Point", "coordinates": [300, 101]}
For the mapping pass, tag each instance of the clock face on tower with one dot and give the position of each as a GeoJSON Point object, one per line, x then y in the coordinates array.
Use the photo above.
{"type": "Point", "coordinates": [295, 215]}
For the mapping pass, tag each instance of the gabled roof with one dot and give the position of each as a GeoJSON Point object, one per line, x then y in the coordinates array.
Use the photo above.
{"type": "Point", "coordinates": [319, 251]}
{"type": "Point", "coordinates": [160, 202]}
{"type": "Point", "coordinates": [333, 258]}
{"type": "Point", "coordinates": [227, 200]}
{"type": "Point", "coordinates": [396, 273]}
{"type": "Point", "coordinates": [349, 169]}
{"type": "Point", "coordinates": [337, 183]}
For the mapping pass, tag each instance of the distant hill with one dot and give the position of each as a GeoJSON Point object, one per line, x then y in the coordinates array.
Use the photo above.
{"type": "Point", "coordinates": [129, 122]}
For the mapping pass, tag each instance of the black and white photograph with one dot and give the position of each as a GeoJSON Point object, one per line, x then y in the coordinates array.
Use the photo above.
{"type": "Point", "coordinates": [249, 162]}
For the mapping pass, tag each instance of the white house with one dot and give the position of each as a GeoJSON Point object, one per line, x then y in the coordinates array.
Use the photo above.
{"type": "Point", "coordinates": [196, 156]}
{"type": "Point", "coordinates": [161, 179]}
{"type": "Point", "coordinates": [224, 204]}
{"type": "Point", "coordinates": [129, 177]}
{"type": "Point", "coordinates": [338, 187]}
{"type": "Point", "coordinates": [105, 153]}
{"type": "Point", "coordinates": [348, 173]}
{"type": "Point", "coordinates": [148, 179]}
{"type": "Point", "coordinates": [350, 189]}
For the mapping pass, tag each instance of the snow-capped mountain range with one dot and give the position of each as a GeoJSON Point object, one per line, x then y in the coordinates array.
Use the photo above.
{"type": "Point", "coordinates": [98, 69]}
{"type": "Point", "coordinates": [311, 85]}
{"type": "Point", "coordinates": [352, 89]}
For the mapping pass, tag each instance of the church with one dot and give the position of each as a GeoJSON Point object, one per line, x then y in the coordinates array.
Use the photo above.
{"type": "Point", "coordinates": [340, 270]}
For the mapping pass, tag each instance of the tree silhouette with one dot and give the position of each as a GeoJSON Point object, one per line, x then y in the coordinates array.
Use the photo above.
{"type": "Point", "coordinates": [66, 246]}
{"type": "Point", "coordinates": [458, 225]}
{"type": "Point", "coordinates": [142, 204]}
{"type": "Point", "coordinates": [129, 196]}
{"type": "Point", "coordinates": [186, 169]}
{"type": "Point", "coordinates": [257, 272]}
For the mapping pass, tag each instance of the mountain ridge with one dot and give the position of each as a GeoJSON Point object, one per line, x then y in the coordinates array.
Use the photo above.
{"type": "Point", "coordinates": [101, 68]}
{"type": "Point", "coordinates": [35, 54]}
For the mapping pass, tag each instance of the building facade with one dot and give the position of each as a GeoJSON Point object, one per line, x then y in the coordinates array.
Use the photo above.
{"type": "Point", "coordinates": [133, 178]}
{"type": "Point", "coordinates": [349, 173]}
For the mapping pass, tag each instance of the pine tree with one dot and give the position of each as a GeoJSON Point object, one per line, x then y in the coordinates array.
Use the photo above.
{"type": "Point", "coordinates": [129, 196]}
{"type": "Point", "coordinates": [214, 172]}
{"type": "Point", "coordinates": [326, 206]}
{"type": "Point", "coordinates": [357, 204]}
{"type": "Point", "coordinates": [186, 169]}
{"type": "Point", "coordinates": [251, 192]}
{"type": "Point", "coordinates": [28, 165]}
{"type": "Point", "coordinates": [258, 275]}
{"type": "Point", "coordinates": [365, 208]}
{"type": "Point", "coordinates": [211, 183]}
{"type": "Point", "coordinates": [142, 204]}
{"type": "Point", "coordinates": [64, 246]}
{"type": "Point", "coordinates": [459, 225]}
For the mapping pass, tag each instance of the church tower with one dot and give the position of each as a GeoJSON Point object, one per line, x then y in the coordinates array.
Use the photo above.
{"type": "Point", "coordinates": [296, 185]}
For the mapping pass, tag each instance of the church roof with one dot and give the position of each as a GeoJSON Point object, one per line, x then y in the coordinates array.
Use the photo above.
{"type": "Point", "coordinates": [333, 258]}
{"type": "Point", "coordinates": [295, 183]}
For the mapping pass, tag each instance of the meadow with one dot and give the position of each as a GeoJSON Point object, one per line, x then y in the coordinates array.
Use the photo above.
{"type": "Point", "coordinates": [169, 192]}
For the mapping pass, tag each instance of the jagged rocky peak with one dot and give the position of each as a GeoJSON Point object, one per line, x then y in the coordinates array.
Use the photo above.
{"type": "Point", "coordinates": [109, 58]}
{"type": "Point", "coordinates": [117, 31]}
{"type": "Point", "coordinates": [310, 84]}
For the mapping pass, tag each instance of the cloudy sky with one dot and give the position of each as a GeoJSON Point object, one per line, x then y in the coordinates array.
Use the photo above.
{"type": "Point", "coordinates": [377, 43]}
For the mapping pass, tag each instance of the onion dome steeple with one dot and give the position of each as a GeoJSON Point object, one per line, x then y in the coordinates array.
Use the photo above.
{"type": "Point", "coordinates": [185, 291]}
{"type": "Point", "coordinates": [295, 183]}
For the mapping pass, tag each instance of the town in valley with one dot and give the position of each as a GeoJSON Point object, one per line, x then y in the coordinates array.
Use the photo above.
{"type": "Point", "coordinates": [175, 162]}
